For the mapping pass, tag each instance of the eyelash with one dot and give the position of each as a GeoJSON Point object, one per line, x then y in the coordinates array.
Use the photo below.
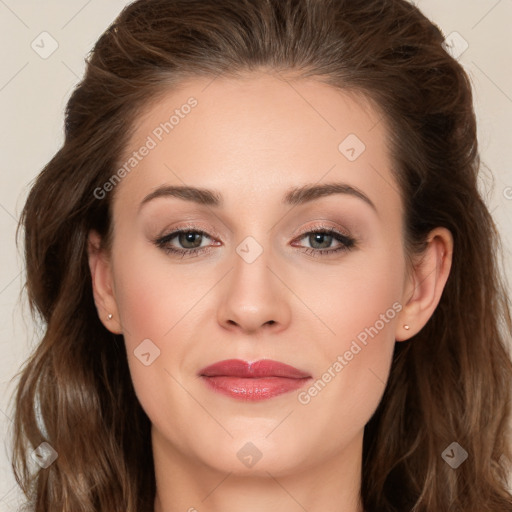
{"type": "Point", "coordinates": [347, 242]}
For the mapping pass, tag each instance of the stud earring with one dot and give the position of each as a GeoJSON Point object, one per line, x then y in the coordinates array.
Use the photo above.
{"type": "Point", "coordinates": [406, 327]}
{"type": "Point", "coordinates": [109, 316]}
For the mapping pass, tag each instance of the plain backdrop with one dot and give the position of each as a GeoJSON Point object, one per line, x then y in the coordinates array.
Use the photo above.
{"type": "Point", "coordinates": [34, 89]}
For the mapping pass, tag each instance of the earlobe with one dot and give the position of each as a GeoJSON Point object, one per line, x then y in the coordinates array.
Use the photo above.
{"type": "Point", "coordinates": [102, 284]}
{"type": "Point", "coordinates": [426, 284]}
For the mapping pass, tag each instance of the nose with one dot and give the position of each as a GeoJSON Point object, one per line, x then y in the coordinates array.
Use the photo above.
{"type": "Point", "coordinates": [254, 297]}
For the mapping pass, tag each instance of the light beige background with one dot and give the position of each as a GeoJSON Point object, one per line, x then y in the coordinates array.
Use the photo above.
{"type": "Point", "coordinates": [34, 91]}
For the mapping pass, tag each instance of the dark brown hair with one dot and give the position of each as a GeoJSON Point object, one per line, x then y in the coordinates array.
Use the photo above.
{"type": "Point", "coordinates": [450, 382]}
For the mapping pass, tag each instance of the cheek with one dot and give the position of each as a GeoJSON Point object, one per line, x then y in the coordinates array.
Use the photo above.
{"type": "Point", "coordinates": [360, 306]}
{"type": "Point", "coordinates": [151, 295]}
{"type": "Point", "coordinates": [160, 307]}
{"type": "Point", "coordinates": [360, 293]}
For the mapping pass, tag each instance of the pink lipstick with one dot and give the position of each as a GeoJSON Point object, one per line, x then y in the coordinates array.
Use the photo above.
{"type": "Point", "coordinates": [259, 380]}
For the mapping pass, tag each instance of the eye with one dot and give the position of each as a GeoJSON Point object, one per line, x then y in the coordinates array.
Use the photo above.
{"type": "Point", "coordinates": [190, 240]}
{"type": "Point", "coordinates": [324, 237]}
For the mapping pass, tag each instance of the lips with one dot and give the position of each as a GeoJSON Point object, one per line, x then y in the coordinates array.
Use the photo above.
{"type": "Point", "coordinates": [259, 380]}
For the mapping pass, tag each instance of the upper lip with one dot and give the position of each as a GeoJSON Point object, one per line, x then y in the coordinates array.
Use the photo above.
{"type": "Point", "coordinates": [256, 369]}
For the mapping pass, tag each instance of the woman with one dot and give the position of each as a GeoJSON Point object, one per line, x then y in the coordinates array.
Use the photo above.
{"type": "Point", "coordinates": [267, 276]}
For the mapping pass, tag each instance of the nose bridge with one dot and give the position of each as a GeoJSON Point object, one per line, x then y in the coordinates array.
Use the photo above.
{"type": "Point", "coordinates": [253, 295]}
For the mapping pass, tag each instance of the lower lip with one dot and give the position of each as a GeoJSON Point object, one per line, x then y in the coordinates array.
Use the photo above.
{"type": "Point", "coordinates": [253, 389]}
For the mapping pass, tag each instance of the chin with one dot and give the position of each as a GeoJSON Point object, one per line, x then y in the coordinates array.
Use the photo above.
{"type": "Point", "coordinates": [255, 455]}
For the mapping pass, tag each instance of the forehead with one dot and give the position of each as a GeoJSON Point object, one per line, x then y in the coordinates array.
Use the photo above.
{"type": "Point", "coordinates": [255, 136]}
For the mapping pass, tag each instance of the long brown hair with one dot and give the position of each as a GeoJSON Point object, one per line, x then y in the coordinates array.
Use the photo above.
{"type": "Point", "coordinates": [450, 382]}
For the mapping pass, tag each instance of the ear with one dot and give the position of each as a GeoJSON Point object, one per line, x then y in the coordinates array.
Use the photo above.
{"type": "Point", "coordinates": [425, 285]}
{"type": "Point", "coordinates": [102, 284]}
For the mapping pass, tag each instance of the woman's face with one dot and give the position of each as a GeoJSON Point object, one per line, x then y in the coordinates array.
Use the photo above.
{"type": "Point", "coordinates": [258, 284]}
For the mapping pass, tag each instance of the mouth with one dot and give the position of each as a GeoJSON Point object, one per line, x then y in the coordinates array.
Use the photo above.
{"type": "Point", "coordinates": [255, 381]}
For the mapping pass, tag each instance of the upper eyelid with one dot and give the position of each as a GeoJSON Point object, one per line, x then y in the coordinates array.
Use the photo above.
{"type": "Point", "coordinates": [206, 231]}
{"type": "Point", "coordinates": [323, 227]}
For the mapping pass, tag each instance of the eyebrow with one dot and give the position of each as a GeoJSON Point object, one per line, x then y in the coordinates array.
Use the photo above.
{"type": "Point", "coordinates": [294, 196]}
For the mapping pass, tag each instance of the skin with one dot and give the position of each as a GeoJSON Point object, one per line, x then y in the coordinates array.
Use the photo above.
{"type": "Point", "coordinates": [252, 139]}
